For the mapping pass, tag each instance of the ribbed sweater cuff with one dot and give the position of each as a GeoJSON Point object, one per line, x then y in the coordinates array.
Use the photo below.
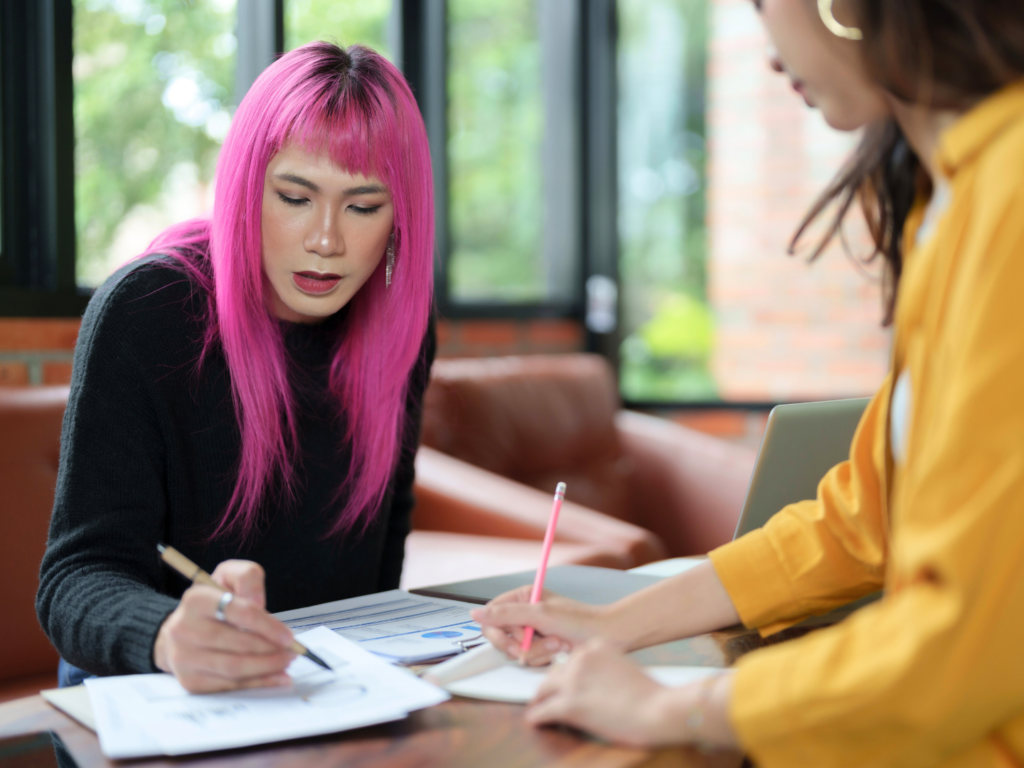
{"type": "Point", "coordinates": [143, 616]}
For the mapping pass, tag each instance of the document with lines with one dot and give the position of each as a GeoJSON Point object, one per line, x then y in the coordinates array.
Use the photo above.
{"type": "Point", "coordinates": [400, 627]}
{"type": "Point", "coordinates": [143, 715]}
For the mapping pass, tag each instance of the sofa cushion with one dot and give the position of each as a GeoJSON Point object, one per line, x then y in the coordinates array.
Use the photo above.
{"type": "Point", "coordinates": [537, 420]}
{"type": "Point", "coordinates": [30, 423]}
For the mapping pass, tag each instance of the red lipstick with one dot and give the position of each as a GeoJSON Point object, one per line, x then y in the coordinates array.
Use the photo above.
{"type": "Point", "coordinates": [315, 283]}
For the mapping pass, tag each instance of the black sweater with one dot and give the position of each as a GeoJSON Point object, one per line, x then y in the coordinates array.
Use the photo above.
{"type": "Point", "coordinates": [149, 453]}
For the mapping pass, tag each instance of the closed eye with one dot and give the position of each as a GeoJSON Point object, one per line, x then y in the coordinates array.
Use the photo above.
{"type": "Point", "coordinates": [292, 200]}
{"type": "Point", "coordinates": [366, 210]}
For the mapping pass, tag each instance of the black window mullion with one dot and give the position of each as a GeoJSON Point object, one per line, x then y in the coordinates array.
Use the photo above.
{"type": "Point", "coordinates": [422, 53]}
{"type": "Point", "coordinates": [600, 178]}
{"type": "Point", "coordinates": [37, 267]}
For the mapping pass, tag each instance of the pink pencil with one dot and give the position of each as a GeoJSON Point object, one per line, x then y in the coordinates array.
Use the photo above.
{"type": "Point", "coordinates": [538, 580]}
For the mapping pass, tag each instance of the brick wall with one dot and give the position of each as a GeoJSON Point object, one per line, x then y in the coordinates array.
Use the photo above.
{"type": "Point", "coordinates": [35, 352]}
{"type": "Point", "coordinates": [786, 330]}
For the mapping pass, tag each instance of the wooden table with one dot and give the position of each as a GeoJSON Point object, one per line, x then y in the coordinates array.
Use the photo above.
{"type": "Point", "coordinates": [458, 734]}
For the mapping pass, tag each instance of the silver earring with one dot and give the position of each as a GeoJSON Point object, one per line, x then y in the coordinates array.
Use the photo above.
{"type": "Point", "coordinates": [389, 266]}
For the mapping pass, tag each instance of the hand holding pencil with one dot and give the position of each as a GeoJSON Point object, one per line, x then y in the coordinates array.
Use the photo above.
{"type": "Point", "coordinates": [249, 648]}
{"type": "Point", "coordinates": [509, 620]}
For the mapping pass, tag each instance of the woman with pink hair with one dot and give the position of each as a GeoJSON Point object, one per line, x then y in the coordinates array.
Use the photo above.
{"type": "Point", "coordinates": [249, 390]}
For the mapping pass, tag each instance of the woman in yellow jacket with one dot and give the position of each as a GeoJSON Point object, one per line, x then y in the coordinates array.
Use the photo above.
{"type": "Point", "coordinates": [930, 505]}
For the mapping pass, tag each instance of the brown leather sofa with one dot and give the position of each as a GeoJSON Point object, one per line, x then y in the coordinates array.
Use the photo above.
{"type": "Point", "coordinates": [499, 433]}
{"type": "Point", "coordinates": [30, 422]}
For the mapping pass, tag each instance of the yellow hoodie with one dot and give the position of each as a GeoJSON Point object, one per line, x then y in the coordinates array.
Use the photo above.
{"type": "Point", "coordinates": [929, 506]}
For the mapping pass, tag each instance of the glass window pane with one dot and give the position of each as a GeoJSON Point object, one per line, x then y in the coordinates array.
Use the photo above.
{"type": "Point", "coordinates": [713, 308]}
{"type": "Point", "coordinates": [668, 325]}
{"type": "Point", "coordinates": [341, 21]}
{"type": "Point", "coordinates": [496, 124]}
{"type": "Point", "coordinates": [153, 102]}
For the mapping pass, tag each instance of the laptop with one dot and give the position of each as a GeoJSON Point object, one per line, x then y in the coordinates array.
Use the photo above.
{"type": "Point", "coordinates": [801, 443]}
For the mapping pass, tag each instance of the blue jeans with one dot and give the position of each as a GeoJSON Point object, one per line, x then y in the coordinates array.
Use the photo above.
{"type": "Point", "coordinates": [68, 675]}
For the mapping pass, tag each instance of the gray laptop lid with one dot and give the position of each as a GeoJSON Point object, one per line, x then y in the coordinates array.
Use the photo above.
{"type": "Point", "coordinates": [802, 442]}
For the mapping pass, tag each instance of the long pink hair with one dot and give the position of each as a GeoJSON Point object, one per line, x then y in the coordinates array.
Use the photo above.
{"type": "Point", "coordinates": [357, 106]}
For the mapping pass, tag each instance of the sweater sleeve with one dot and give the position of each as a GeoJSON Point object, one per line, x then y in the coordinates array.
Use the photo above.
{"type": "Point", "coordinates": [814, 556]}
{"type": "Point", "coordinates": [403, 500]}
{"type": "Point", "coordinates": [98, 598]}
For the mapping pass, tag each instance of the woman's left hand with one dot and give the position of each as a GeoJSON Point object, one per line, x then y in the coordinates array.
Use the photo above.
{"type": "Point", "coordinates": [600, 691]}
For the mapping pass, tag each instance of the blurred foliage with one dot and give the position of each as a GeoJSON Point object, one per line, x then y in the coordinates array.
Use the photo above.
{"type": "Point", "coordinates": [667, 381]}
{"type": "Point", "coordinates": [495, 123]}
{"type": "Point", "coordinates": [668, 327]}
{"type": "Point", "coordinates": [153, 90]}
{"type": "Point", "coordinates": [344, 23]}
{"type": "Point", "coordinates": [682, 327]}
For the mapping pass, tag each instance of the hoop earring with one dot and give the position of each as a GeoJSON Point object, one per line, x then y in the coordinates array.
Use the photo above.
{"type": "Point", "coordinates": [389, 266]}
{"type": "Point", "coordinates": [837, 29]}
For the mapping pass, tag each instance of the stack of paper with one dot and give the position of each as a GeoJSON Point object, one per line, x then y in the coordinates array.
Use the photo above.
{"type": "Point", "coordinates": [144, 715]}
{"type": "Point", "coordinates": [487, 673]}
{"type": "Point", "coordinates": [398, 626]}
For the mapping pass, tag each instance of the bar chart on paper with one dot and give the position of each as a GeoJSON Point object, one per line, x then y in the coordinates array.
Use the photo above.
{"type": "Point", "coordinates": [398, 626]}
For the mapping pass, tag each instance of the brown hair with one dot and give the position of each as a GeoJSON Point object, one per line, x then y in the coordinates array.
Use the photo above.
{"type": "Point", "coordinates": [943, 54]}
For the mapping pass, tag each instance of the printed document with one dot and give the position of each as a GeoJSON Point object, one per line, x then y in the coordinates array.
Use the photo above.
{"type": "Point", "coordinates": [398, 626]}
{"type": "Point", "coordinates": [144, 715]}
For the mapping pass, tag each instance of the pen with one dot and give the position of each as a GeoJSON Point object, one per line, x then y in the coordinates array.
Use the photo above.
{"type": "Point", "coordinates": [197, 575]}
{"type": "Point", "coordinates": [538, 580]}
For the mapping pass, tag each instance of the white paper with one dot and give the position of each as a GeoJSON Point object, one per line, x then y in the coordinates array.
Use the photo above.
{"type": "Point", "coordinates": [474, 662]}
{"type": "Point", "coordinates": [396, 625]}
{"type": "Point", "coordinates": [517, 685]}
{"type": "Point", "coordinates": [139, 715]}
{"type": "Point", "coordinates": [72, 701]}
{"type": "Point", "coordinates": [120, 736]}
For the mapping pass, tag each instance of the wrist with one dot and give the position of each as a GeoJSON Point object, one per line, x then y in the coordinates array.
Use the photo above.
{"type": "Point", "coordinates": [719, 730]}
{"type": "Point", "coordinates": [613, 627]}
{"type": "Point", "coordinates": [667, 715]}
{"type": "Point", "coordinates": [161, 646]}
{"type": "Point", "coordinates": [160, 652]}
{"type": "Point", "coordinates": [695, 714]}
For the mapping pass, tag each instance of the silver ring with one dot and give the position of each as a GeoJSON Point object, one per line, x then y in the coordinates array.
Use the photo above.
{"type": "Point", "coordinates": [225, 601]}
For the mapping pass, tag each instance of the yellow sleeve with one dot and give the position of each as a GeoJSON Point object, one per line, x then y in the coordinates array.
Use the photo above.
{"type": "Point", "coordinates": [817, 555]}
{"type": "Point", "coordinates": [931, 674]}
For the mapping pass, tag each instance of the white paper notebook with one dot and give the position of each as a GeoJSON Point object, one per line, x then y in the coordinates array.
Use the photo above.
{"type": "Point", "coordinates": [487, 673]}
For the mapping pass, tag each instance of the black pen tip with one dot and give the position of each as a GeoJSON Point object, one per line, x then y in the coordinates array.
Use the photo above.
{"type": "Point", "coordinates": [313, 657]}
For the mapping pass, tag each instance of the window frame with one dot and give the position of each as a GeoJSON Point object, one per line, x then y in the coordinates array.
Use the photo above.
{"type": "Point", "coordinates": [37, 257]}
{"type": "Point", "coordinates": [37, 261]}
